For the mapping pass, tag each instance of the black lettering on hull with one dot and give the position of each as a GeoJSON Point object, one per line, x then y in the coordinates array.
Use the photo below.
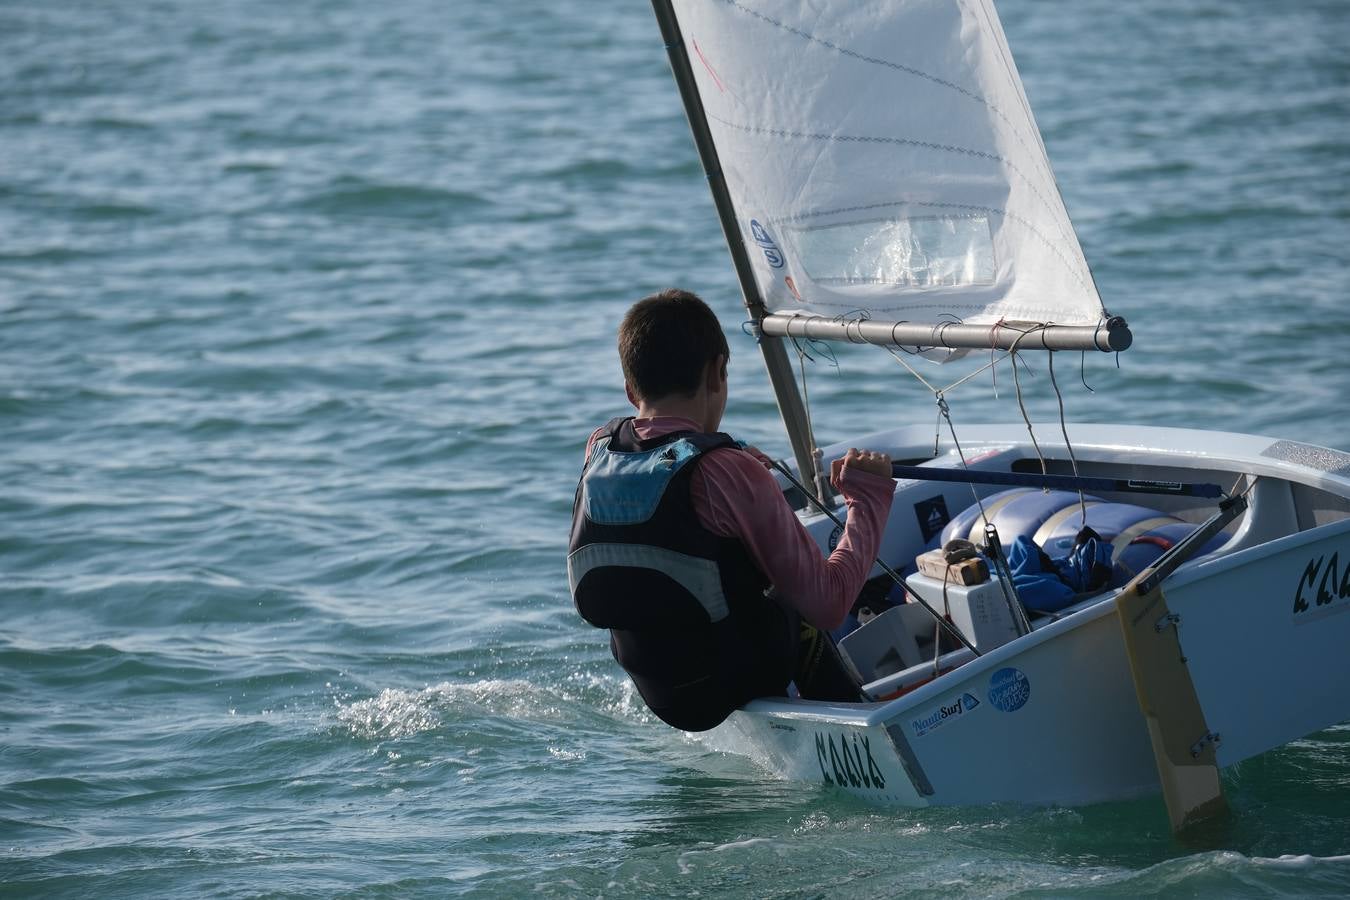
{"type": "Point", "coordinates": [848, 763]}
{"type": "Point", "coordinates": [1329, 574]}
{"type": "Point", "coordinates": [820, 758]}
{"type": "Point", "coordinates": [1333, 585]}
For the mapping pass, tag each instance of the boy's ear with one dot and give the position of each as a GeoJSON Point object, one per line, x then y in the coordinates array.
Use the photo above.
{"type": "Point", "coordinates": [632, 395]}
{"type": "Point", "coordinates": [716, 375]}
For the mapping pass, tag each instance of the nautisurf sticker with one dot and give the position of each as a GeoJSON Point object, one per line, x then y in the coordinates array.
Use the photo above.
{"type": "Point", "coordinates": [941, 715]}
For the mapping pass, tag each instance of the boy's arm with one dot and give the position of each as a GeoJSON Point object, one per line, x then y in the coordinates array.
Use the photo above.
{"type": "Point", "coordinates": [734, 496]}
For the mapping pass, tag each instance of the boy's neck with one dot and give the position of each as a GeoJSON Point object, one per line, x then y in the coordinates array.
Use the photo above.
{"type": "Point", "coordinates": [704, 406]}
{"type": "Point", "coordinates": [696, 409]}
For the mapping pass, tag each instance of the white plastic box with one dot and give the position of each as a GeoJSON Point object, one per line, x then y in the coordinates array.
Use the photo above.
{"type": "Point", "coordinates": [888, 643]}
{"type": "Point", "coordinates": [980, 611]}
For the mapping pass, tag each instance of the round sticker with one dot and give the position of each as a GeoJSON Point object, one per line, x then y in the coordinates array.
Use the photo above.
{"type": "Point", "coordinates": [1009, 689]}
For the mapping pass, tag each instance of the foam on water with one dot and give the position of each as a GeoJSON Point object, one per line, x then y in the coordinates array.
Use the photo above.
{"type": "Point", "coordinates": [397, 713]}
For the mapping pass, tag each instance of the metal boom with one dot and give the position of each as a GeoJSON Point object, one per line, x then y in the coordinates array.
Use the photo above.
{"type": "Point", "coordinates": [1110, 335]}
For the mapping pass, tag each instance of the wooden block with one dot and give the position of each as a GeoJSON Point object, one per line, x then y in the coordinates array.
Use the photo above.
{"type": "Point", "coordinates": [968, 571]}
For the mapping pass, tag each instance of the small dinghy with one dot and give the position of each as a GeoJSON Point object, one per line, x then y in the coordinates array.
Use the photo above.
{"type": "Point", "coordinates": [880, 180]}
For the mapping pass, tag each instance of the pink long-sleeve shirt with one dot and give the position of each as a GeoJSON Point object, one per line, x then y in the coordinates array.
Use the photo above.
{"type": "Point", "coordinates": [735, 496]}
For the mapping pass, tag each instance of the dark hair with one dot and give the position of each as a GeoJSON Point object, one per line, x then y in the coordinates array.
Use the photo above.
{"type": "Point", "coordinates": [666, 341]}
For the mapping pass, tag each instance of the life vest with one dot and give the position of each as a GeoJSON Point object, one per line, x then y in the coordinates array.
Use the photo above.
{"type": "Point", "coordinates": [686, 609]}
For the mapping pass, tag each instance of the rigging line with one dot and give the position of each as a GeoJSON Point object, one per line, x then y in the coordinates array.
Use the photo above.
{"type": "Point", "coordinates": [955, 384]}
{"type": "Point", "coordinates": [993, 349]}
{"type": "Point", "coordinates": [939, 395]}
{"type": "Point", "coordinates": [1021, 405]}
{"type": "Point", "coordinates": [994, 550]}
{"type": "Point", "coordinates": [993, 547]}
{"type": "Point", "coordinates": [960, 381]}
{"type": "Point", "coordinates": [1064, 429]}
{"type": "Point", "coordinates": [949, 627]}
{"type": "Point", "coordinates": [810, 428]}
{"type": "Point", "coordinates": [910, 369]}
{"type": "Point", "coordinates": [937, 629]}
{"type": "Point", "coordinates": [1082, 372]}
{"type": "Point", "coordinates": [945, 412]}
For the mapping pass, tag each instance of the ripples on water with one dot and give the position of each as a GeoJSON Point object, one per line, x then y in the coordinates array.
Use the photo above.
{"type": "Point", "coordinates": [304, 314]}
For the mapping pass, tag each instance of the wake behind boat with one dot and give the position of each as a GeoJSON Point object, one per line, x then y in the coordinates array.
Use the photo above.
{"type": "Point", "coordinates": [880, 180]}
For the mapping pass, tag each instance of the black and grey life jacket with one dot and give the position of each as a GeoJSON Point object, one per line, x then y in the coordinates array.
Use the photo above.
{"type": "Point", "coordinates": [686, 609]}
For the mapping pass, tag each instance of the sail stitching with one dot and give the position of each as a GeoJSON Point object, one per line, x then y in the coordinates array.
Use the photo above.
{"type": "Point", "coordinates": [874, 139]}
{"type": "Point", "coordinates": [900, 67]}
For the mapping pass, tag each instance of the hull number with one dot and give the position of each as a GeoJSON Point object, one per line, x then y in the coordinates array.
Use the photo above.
{"type": "Point", "coordinates": [1324, 581]}
{"type": "Point", "coordinates": [848, 763]}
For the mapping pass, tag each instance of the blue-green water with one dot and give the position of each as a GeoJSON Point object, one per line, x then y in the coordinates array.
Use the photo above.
{"type": "Point", "coordinates": [305, 312]}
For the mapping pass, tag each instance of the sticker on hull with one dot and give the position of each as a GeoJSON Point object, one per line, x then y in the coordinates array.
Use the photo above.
{"type": "Point", "coordinates": [932, 516]}
{"type": "Point", "coordinates": [942, 714]}
{"type": "Point", "coordinates": [1009, 689]}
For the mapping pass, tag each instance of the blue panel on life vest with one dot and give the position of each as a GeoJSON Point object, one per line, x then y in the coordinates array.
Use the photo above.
{"type": "Point", "coordinates": [625, 488]}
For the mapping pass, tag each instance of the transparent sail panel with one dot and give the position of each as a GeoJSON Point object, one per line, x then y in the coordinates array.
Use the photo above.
{"type": "Point", "coordinates": [923, 252]}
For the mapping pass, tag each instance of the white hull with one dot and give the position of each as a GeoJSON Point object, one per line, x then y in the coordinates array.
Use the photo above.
{"type": "Point", "coordinates": [1268, 661]}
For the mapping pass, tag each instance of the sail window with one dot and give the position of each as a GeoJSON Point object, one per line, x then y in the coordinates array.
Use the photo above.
{"type": "Point", "coordinates": [921, 252]}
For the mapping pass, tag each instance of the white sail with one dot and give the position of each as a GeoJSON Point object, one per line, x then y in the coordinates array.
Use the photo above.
{"type": "Point", "coordinates": [883, 162]}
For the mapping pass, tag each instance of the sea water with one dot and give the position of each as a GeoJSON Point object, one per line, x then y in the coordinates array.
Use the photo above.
{"type": "Point", "coordinates": [306, 310]}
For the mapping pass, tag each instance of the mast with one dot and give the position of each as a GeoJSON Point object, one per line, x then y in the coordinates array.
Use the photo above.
{"type": "Point", "coordinates": [785, 390]}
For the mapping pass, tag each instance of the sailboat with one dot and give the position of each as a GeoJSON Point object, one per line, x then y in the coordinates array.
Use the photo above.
{"type": "Point", "coordinates": [880, 180]}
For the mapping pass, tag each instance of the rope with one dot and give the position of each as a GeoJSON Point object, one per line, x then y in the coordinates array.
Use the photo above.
{"type": "Point", "coordinates": [937, 630]}
{"type": "Point", "coordinates": [817, 455]}
{"type": "Point", "coordinates": [810, 428]}
{"type": "Point", "coordinates": [1064, 429]}
{"type": "Point", "coordinates": [949, 627]}
{"type": "Point", "coordinates": [949, 388]}
{"type": "Point", "coordinates": [993, 546]}
{"type": "Point", "coordinates": [1021, 404]}
{"type": "Point", "coordinates": [946, 413]}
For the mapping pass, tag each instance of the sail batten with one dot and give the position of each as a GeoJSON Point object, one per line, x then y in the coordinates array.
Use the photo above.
{"type": "Point", "coordinates": [882, 159]}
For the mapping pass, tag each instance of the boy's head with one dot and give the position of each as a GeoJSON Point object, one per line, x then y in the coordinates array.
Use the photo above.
{"type": "Point", "coordinates": [667, 342]}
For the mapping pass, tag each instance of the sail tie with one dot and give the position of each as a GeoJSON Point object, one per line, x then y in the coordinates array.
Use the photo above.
{"type": "Point", "coordinates": [817, 455]}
